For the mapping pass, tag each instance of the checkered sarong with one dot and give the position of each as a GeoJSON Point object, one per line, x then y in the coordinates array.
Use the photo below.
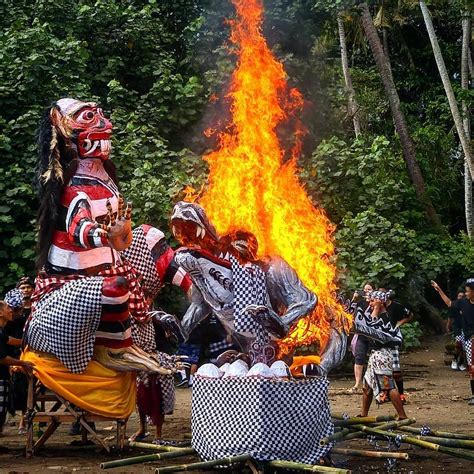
{"type": "Point", "coordinates": [64, 322]}
{"type": "Point", "coordinates": [4, 389]}
{"type": "Point", "coordinates": [467, 346]}
{"type": "Point", "coordinates": [143, 335]}
{"type": "Point", "coordinates": [396, 359]}
{"type": "Point", "coordinates": [217, 348]}
{"type": "Point", "coordinates": [267, 419]}
{"type": "Point", "coordinates": [249, 288]}
{"type": "Point", "coordinates": [139, 255]}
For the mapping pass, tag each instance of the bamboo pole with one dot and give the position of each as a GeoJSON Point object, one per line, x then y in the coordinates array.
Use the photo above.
{"type": "Point", "coordinates": [298, 466]}
{"type": "Point", "coordinates": [382, 426]}
{"type": "Point", "coordinates": [347, 432]}
{"type": "Point", "coordinates": [369, 454]}
{"type": "Point", "coordinates": [441, 434]}
{"type": "Point", "coordinates": [453, 443]}
{"type": "Point", "coordinates": [154, 447]}
{"type": "Point", "coordinates": [204, 464]}
{"type": "Point", "coordinates": [460, 453]}
{"type": "Point", "coordinates": [364, 420]}
{"type": "Point", "coordinates": [147, 458]}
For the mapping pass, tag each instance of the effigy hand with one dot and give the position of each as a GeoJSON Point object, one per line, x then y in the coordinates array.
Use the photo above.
{"type": "Point", "coordinates": [170, 324]}
{"type": "Point", "coordinates": [120, 227]}
{"type": "Point", "coordinates": [268, 319]}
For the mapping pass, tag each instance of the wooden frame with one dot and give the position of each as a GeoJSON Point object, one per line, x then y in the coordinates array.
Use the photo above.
{"type": "Point", "coordinates": [62, 411]}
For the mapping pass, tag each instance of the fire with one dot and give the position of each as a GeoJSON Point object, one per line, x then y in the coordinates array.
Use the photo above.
{"type": "Point", "coordinates": [252, 187]}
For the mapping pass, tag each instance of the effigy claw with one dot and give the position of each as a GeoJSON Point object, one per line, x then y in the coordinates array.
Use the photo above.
{"type": "Point", "coordinates": [268, 319]}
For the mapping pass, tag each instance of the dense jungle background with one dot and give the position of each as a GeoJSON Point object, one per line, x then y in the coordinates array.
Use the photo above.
{"type": "Point", "coordinates": [383, 154]}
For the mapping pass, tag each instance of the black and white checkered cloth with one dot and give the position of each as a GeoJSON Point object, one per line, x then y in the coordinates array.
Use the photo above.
{"type": "Point", "coordinates": [266, 418]}
{"type": "Point", "coordinates": [139, 255]}
{"type": "Point", "coordinates": [143, 335]}
{"type": "Point", "coordinates": [4, 389]}
{"type": "Point", "coordinates": [467, 346]}
{"type": "Point", "coordinates": [249, 288]}
{"type": "Point", "coordinates": [396, 359]}
{"type": "Point", "coordinates": [64, 322]}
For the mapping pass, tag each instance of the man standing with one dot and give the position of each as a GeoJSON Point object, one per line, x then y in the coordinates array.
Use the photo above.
{"type": "Point", "coordinates": [465, 307]}
{"type": "Point", "coordinates": [378, 380]}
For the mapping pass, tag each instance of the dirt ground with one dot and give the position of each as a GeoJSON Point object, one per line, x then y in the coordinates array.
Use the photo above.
{"type": "Point", "coordinates": [437, 396]}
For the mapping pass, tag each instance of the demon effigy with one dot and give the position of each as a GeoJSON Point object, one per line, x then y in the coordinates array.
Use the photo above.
{"type": "Point", "coordinates": [257, 300]}
{"type": "Point", "coordinates": [89, 316]}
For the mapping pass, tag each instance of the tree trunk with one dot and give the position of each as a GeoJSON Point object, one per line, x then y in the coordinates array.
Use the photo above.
{"type": "Point", "coordinates": [466, 52]}
{"type": "Point", "coordinates": [353, 108]}
{"type": "Point", "coordinates": [401, 128]}
{"type": "Point", "coordinates": [466, 146]}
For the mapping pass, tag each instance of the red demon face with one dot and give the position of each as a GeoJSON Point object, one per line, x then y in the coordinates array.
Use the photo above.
{"type": "Point", "coordinates": [85, 125]}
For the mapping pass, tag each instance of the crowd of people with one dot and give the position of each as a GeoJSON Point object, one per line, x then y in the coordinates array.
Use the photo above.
{"type": "Point", "coordinates": [383, 378]}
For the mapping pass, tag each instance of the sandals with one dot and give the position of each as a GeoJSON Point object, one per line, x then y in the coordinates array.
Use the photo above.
{"type": "Point", "coordinates": [138, 437]}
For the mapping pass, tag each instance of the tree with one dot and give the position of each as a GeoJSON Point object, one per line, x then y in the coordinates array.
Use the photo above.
{"type": "Point", "coordinates": [401, 127]}
{"type": "Point", "coordinates": [443, 72]}
{"type": "Point", "coordinates": [352, 107]}
{"type": "Point", "coordinates": [465, 55]}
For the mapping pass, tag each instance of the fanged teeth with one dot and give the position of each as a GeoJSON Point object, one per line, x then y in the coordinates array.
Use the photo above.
{"type": "Point", "coordinates": [91, 147]}
{"type": "Point", "coordinates": [200, 232]}
{"type": "Point", "coordinates": [94, 147]}
{"type": "Point", "coordinates": [174, 230]}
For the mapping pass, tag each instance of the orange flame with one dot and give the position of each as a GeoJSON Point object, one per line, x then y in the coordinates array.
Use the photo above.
{"type": "Point", "coordinates": [252, 188]}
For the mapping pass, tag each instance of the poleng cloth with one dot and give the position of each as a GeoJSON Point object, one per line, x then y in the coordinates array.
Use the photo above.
{"type": "Point", "coordinates": [268, 419]}
{"type": "Point", "coordinates": [97, 390]}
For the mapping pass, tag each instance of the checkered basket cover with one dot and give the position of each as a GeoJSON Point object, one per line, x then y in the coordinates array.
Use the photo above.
{"type": "Point", "coordinates": [268, 419]}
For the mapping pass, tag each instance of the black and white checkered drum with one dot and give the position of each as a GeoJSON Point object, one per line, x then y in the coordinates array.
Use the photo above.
{"type": "Point", "coordinates": [268, 419]}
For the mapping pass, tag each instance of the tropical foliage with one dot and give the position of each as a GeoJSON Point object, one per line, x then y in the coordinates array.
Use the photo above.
{"type": "Point", "coordinates": [155, 65]}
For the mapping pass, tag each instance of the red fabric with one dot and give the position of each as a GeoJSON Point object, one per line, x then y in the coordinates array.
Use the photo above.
{"type": "Point", "coordinates": [114, 343]}
{"type": "Point", "coordinates": [45, 283]}
{"type": "Point", "coordinates": [150, 399]}
{"type": "Point", "coordinates": [163, 263]}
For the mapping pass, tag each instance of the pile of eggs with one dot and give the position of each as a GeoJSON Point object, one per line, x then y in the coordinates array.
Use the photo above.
{"type": "Point", "coordinates": [239, 368]}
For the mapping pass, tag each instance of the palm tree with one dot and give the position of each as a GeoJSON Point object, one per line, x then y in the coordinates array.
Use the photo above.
{"type": "Point", "coordinates": [465, 55]}
{"type": "Point", "coordinates": [401, 127]}
{"type": "Point", "coordinates": [466, 146]}
{"type": "Point", "coordinates": [353, 107]}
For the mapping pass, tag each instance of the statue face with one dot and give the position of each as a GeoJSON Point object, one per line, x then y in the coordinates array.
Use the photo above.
{"type": "Point", "coordinates": [84, 127]}
{"type": "Point", "coordinates": [93, 132]}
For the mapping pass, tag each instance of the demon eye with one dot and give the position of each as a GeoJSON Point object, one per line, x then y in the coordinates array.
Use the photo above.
{"type": "Point", "coordinates": [86, 116]}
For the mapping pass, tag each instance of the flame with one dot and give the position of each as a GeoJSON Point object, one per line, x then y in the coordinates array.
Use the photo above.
{"type": "Point", "coordinates": [251, 186]}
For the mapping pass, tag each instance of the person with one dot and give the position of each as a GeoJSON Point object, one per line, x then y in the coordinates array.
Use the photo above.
{"type": "Point", "coordinates": [14, 329]}
{"type": "Point", "coordinates": [9, 307]}
{"type": "Point", "coordinates": [465, 307]}
{"type": "Point", "coordinates": [360, 343]}
{"type": "Point", "coordinates": [398, 315]}
{"type": "Point", "coordinates": [454, 323]}
{"type": "Point", "coordinates": [378, 380]}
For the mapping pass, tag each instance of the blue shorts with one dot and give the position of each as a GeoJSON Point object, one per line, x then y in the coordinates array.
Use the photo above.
{"type": "Point", "coordinates": [192, 351]}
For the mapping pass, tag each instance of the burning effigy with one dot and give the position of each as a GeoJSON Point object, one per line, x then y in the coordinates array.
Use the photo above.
{"type": "Point", "coordinates": [260, 257]}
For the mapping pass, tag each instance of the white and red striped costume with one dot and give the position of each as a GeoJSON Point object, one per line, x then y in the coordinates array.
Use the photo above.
{"type": "Point", "coordinates": [79, 244]}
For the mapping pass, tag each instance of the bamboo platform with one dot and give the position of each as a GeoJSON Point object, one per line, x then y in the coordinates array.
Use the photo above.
{"type": "Point", "coordinates": [60, 411]}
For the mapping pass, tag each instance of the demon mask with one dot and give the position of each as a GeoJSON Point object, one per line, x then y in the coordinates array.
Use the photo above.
{"type": "Point", "coordinates": [83, 127]}
{"type": "Point", "coordinates": [191, 226]}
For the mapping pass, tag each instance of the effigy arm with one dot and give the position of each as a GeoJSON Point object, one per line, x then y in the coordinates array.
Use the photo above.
{"type": "Point", "coordinates": [287, 292]}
